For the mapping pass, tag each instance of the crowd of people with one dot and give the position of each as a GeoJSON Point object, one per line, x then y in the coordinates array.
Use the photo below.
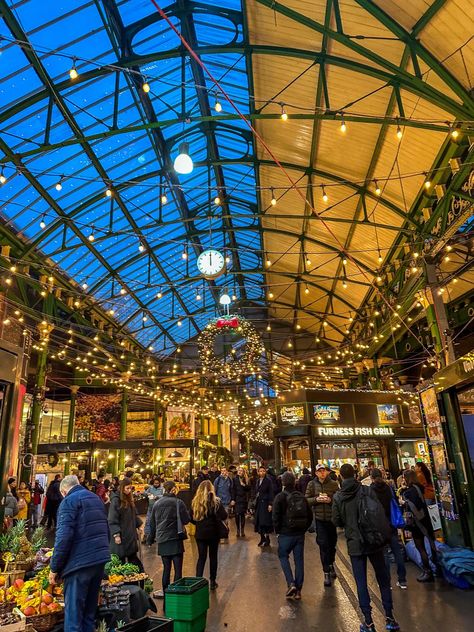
{"type": "Point", "coordinates": [360, 503]}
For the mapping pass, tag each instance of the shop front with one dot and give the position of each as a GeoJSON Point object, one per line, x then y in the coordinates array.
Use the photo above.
{"type": "Point", "coordinates": [449, 415]}
{"type": "Point", "coordinates": [336, 427]}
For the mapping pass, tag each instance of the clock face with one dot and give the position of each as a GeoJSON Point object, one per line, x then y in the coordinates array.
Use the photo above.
{"type": "Point", "coordinates": [211, 263]}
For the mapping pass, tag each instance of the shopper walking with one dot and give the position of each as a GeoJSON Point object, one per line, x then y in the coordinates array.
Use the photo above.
{"type": "Point", "coordinates": [24, 499]}
{"type": "Point", "coordinates": [153, 492]}
{"type": "Point", "coordinates": [37, 493]}
{"type": "Point", "coordinates": [425, 480]}
{"type": "Point", "coordinates": [81, 550]}
{"type": "Point", "coordinates": [241, 490]}
{"type": "Point", "coordinates": [202, 475]}
{"type": "Point", "coordinates": [419, 523]}
{"type": "Point", "coordinates": [384, 493]}
{"type": "Point", "coordinates": [291, 515]}
{"type": "Point", "coordinates": [123, 524]}
{"type": "Point", "coordinates": [167, 521]}
{"type": "Point", "coordinates": [224, 487]}
{"type": "Point", "coordinates": [320, 492]}
{"type": "Point", "coordinates": [213, 472]}
{"type": "Point", "coordinates": [53, 500]}
{"type": "Point", "coordinates": [263, 507]}
{"type": "Point", "coordinates": [209, 515]}
{"type": "Point", "coordinates": [366, 535]}
{"type": "Point", "coordinates": [303, 481]}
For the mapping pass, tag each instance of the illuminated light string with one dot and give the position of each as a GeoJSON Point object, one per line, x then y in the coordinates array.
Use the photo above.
{"type": "Point", "coordinates": [272, 155]}
{"type": "Point", "coordinates": [454, 127]}
{"type": "Point", "coordinates": [118, 185]}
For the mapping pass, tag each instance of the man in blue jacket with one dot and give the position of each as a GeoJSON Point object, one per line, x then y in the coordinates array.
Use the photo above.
{"type": "Point", "coordinates": [224, 487]}
{"type": "Point", "coordinates": [81, 550]}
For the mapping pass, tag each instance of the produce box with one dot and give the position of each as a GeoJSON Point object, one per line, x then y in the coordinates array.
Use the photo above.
{"type": "Point", "coordinates": [187, 599]}
{"type": "Point", "coordinates": [17, 626]}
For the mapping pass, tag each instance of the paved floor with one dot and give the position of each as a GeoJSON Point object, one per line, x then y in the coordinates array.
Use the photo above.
{"type": "Point", "coordinates": [250, 597]}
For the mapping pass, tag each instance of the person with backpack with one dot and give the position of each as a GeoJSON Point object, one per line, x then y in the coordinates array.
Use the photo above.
{"type": "Point", "coordinates": [419, 523]}
{"type": "Point", "coordinates": [386, 496]}
{"type": "Point", "coordinates": [291, 517]}
{"type": "Point", "coordinates": [357, 509]}
{"type": "Point", "coordinates": [319, 493]}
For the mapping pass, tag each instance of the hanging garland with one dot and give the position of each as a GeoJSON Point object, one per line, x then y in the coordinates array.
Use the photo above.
{"type": "Point", "coordinates": [235, 327]}
{"type": "Point", "coordinates": [256, 425]}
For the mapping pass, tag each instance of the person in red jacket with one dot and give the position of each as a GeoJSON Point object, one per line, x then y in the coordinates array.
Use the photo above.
{"type": "Point", "coordinates": [37, 492]}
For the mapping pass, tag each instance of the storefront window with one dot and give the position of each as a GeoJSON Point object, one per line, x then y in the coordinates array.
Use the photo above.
{"type": "Point", "coordinates": [54, 421]}
{"type": "Point", "coordinates": [466, 404]}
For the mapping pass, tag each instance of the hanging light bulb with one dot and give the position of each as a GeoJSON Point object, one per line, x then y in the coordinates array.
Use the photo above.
{"type": "Point", "coordinates": [306, 289]}
{"type": "Point", "coordinates": [198, 296]}
{"type": "Point", "coordinates": [325, 195]}
{"type": "Point", "coordinates": [42, 222]}
{"type": "Point", "coordinates": [160, 294]}
{"type": "Point", "coordinates": [3, 177]}
{"type": "Point", "coordinates": [184, 254]}
{"type": "Point", "coordinates": [378, 190]}
{"type": "Point", "coordinates": [455, 132]}
{"type": "Point", "coordinates": [84, 286]}
{"type": "Point", "coordinates": [344, 284]}
{"type": "Point", "coordinates": [217, 199]}
{"type": "Point", "coordinates": [273, 201]}
{"type": "Point", "coordinates": [344, 261]}
{"type": "Point", "coordinates": [183, 163]}
{"type": "Point", "coordinates": [164, 199]}
{"type": "Point", "coordinates": [283, 115]}
{"type": "Point", "coordinates": [218, 105]}
{"type": "Point", "coordinates": [141, 247]}
{"type": "Point", "coordinates": [268, 263]}
{"type": "Point", "coordinates": [123, 291]}
{"type": "Point", "coordinates": [307, 260]}
{"type": "Point", "coordinates": [73, 74]}
{"type": "Point", "coordinates": [59, 184]}
{"type": "Point", "coordinates": [146, 86]}
{"type": "Point", "coordinates": [225, 299]}
{"type": "Point", "coordinates": [108, 192]}
{"type": "Point", "coordinates": [179, 322]}
{"type": "Point", "coordinates": [399, 132]}
{"type": "Point", "coordinates": [380, 257]}
{"type": "Point", "coordinates": [343, 127]}
{"type": "Point", "coordinates": [91, 236]}
{"type": "Point", "coordinates": [270, 294]}
{"type": "Point", "coordinates": [427, 184]}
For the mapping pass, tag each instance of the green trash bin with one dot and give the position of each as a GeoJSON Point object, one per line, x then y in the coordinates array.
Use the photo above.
{"type": "Point", "coordinates": [187, 602]}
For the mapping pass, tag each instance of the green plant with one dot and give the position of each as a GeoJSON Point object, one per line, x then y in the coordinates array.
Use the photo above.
{"type": "Point", "coordinates": [38, 539]}
{"type": "Point", "coordinates": [11, 540]}
{"type": "Point", "coordinates": [102, 626]}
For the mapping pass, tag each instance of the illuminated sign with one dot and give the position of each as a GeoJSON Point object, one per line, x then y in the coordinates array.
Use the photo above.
{"type": "Point", "coordinates": [292, 415]}
{"type": "Point", "coordinates": [340, 431]}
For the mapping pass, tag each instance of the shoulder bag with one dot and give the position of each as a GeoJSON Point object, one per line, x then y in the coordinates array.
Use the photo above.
{"type": "Point", "coordinates": [182, 534]}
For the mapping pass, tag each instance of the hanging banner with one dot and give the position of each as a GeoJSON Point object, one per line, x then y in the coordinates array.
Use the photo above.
{"type": "Point", "coordinates": [99, 415]}
{"type": "Point", "coordinates": [179, 423]}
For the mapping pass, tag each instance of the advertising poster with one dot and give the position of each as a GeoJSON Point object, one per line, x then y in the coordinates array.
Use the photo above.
{"type": "Point", "coordinates": [179, 423]}
{"type": "Point", "coordinates": [414, 414]}
{"type": "Point", "coordinates": [325, 412]}
{"type": "Point", "coordinates": [434, 428]}
{"type": "Point", "coordinates": [140, 425]}
{"type": "Point", "coordinates": [388, 413]}
{"type": "Point", "coordinates": [99, 416]}
{"type": "Point", "coordinates": [292, 415]}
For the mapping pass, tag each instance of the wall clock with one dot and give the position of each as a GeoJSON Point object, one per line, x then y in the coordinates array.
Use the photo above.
{"type": "Point", "coordinates": [211, 263]}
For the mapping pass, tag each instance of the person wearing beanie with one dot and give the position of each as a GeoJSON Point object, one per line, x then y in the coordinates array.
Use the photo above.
{"type": "Point", "coordinates": [123, 524]}
{"type": "Point", "coordinates": [346, 513]}
{"type": "Point", "coordinates": [319, 493]}
{"type": "Point", "coordinates": [292, 517]}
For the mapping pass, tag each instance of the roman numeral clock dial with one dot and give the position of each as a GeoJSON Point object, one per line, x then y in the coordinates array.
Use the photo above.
{"type": "Point", "coordinates": [211, 263]}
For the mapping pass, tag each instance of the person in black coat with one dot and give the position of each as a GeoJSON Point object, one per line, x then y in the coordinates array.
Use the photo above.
{"type": "Point", "coordinates": [302, 482]}
{"type": "Point", "coordinates": [384, 493]}
{"type": "Point", "coordinates": [202, 475]}
{"type": "Point", "coordinates": [208, 514]}
{"type": "Point", "coordinates": [241, 492]}
{"type": "Point", "coordinates": [53, 500]}
{"type": "Point", "coordinates": [421, 527]}
{"type": "Point", "coordinates": [123, 524]}
{"type": "Point", "coordinates": [263, 506]}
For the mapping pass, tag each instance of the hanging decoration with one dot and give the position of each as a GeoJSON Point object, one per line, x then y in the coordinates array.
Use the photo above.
{"type": "Point", "coordinates": [255, 425]}
{"type": "Point", "coordinates": [235, 328]}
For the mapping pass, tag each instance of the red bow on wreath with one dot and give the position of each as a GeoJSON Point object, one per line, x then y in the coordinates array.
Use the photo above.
{"type": "Point", "coordinates": [232, 322]}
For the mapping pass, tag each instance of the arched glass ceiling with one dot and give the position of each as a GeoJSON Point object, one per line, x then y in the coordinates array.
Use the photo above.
{"type": "Point", "coordinates": [54, 128]}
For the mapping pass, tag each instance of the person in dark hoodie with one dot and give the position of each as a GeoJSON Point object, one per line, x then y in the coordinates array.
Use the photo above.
{"type": "Point", "coordinates": [291, 537]}
{"type": "Point", "coordinates": [384, 493]}
{"type": "Point", "coordinates": [202, 475]}
{"type": "Point", "coordinates": [345, 513]}
{"type": "Point", "coordinates": [302, 482]}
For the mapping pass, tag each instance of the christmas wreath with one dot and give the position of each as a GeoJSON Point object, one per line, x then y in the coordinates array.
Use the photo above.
{"type": "Point", "coordinates": [233, 367]}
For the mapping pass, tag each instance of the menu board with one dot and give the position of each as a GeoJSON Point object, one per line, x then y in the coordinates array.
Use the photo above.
{"type": "Point", "coordinates": [368, 450]}
{"type": "Point", "coordinates": [434, 428]}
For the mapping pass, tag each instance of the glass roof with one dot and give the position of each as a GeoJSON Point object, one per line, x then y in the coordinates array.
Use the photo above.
{"type": "Point", "coordinates": [93, 133]}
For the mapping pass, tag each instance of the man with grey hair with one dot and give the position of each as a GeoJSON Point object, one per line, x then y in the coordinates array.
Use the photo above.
{"type": "Point", "coordinates": [81, 550]}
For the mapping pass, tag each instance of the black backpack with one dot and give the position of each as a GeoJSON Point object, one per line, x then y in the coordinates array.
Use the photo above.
{"type": "Point", "coordinates": [297, 510]}
{"type": "Point", "coordinates": [373, 524]}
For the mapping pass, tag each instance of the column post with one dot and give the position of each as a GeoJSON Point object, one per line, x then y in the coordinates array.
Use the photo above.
{"type": "Point", "coordinates": [40, 385]}
{"type": "Point", "coordinates": [70, 425]}
{"type": "Point", "coordinates": [123, 428]}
